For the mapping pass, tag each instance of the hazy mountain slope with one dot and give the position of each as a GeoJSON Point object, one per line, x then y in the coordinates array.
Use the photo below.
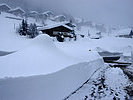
{"type": "Point", "coordinates": [110, 12]}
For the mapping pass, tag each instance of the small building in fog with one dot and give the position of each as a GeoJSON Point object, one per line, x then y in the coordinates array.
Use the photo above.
{"type": "Point", "coordinates": [48, 14]}
{"type": "Point", "coordinates": [4, 8]}
{"type": "Point", "coordinates": [17, 11]}
{"type": "Point", "coordinates": [33, 14]}
{"type": "Point", "coordinates": [126, 33]}
{"type": "Point", "coordinates": [59, 18]}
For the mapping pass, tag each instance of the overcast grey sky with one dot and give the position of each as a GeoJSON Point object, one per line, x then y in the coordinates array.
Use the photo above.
{"type": "Point", "coordinates": [111, 12]}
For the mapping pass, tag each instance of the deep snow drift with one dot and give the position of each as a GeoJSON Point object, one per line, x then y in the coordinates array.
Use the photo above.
{"type": "Point", "coordinates": [41, 56]}
{"type": "Point", "coordinates": [54, 86]}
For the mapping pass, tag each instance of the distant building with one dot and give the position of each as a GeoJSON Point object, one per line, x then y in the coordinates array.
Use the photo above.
{"type": "Point", "coordinates": [59, 18]}
{"type": "Point", "coordinates": [17, 11]}
{"type": "Point", "coordinates": [33, 14]}
{"type": "Point", "coordinates": [126, 33]}
{"type": "Point", "coordinates": [131, 34]}
{"type": "Point", "coordinates": [48, 14]}
{"type": "Point", "coordinates": [4, 8]}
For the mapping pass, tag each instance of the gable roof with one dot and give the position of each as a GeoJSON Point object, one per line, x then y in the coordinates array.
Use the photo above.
{"type": "Point", "coordinates": [33, 12]}
{"type": "Point", "coordinates": [54, 26]}
{"type": "Point", "coordinates": [124, 31]}
{"type": "Point", "coordinates": [5, 5]}
{"type": "Point", "coordinates": [58, 17]}
{"type": "Point", "coordinates": [48, 12]}
{"type": "Point", "coordinates": [17, 9]}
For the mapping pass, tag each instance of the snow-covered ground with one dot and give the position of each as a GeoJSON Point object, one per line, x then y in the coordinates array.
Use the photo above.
{"type": "Point", "coordinates": [41, 69]}
{"type": "Point", "coordinates": [107, 84]}
{"type": "Point", "coordinates": [54, 86]}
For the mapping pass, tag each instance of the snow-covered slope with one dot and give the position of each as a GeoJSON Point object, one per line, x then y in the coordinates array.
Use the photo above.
{"type": "Point", "coordinates": [9, 40]}
{"type": "Point", "coordinates": [107, 84]}
{"type": "Point", "coordinates": [54, 86]}
{"type": "Point", "coordinates": [40, 57]}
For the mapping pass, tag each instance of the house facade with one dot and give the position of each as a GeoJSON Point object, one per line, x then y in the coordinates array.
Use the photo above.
{"type": "Point", "coordinates": [58, 30]}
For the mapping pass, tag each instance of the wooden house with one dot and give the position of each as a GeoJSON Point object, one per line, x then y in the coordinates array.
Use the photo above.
{"type": "Point", "coordinates": [59, 29]}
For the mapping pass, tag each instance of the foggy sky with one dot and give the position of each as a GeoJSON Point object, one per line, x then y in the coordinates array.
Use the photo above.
{"type": "Point", "coordinates": [110, 12]}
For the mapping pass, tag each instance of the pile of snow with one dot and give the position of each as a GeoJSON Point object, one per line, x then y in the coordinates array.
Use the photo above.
{"type": "Point", "coordinates": [41, 56]}
{"type": "Point", "coordinates": [44, 41]}
{"type": "Point", "coordinates": [117, 84]}
{"type": "Point", "coordinates": [54, 86]}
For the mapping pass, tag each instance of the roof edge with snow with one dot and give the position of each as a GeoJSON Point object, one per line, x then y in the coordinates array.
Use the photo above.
{"type": "Point", "coordinates": [55, 25]}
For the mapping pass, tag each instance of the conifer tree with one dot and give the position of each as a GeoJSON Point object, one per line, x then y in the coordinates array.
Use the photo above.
{"type": "Point", "coordinates": [23, 29]}
{"type": "Point", "coordinates": [33, 32]}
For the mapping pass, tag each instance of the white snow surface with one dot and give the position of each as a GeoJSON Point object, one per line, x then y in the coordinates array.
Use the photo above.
{"type": "Point", "coordinates": [40, 57]}
{"type": "Point", "coordinates": [54, 86]}
{"type": "Point", "coordinates": [55, 25]}
{"type": "Point", "coordinates": [9, 40]}
{"type": "Point", "coordinates": [115, 82]}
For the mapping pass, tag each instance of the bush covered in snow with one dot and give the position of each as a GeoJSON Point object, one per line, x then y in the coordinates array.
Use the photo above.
{"type": "Point", "coordinates": [28, 30]}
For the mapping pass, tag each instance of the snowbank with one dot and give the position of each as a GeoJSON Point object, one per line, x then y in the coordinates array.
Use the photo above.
{"type": "Point", "coordinates": [54, 86]}
{"type": "Point", "coordinates": [41, 56]}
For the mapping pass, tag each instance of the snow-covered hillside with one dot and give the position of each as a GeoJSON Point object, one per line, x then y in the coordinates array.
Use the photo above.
{"type": "Point", "coordinates": [54, 86]}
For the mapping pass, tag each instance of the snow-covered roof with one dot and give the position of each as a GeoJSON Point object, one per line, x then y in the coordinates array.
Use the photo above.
{"type": "Point", "coordinates": [59, 16]}
{"type": "Point", "coordinates": [47, 12]}
{"type": "Point", "coordinates": [18, 8]}
{"type": "Point", "coordinates": [124, 31]}
{"type": "Point", "coordinates": [33, 12]}
{"type": "Point", "coordinates": [3, 4]}
{"type": "Point", "coordinates": [55, 25]}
